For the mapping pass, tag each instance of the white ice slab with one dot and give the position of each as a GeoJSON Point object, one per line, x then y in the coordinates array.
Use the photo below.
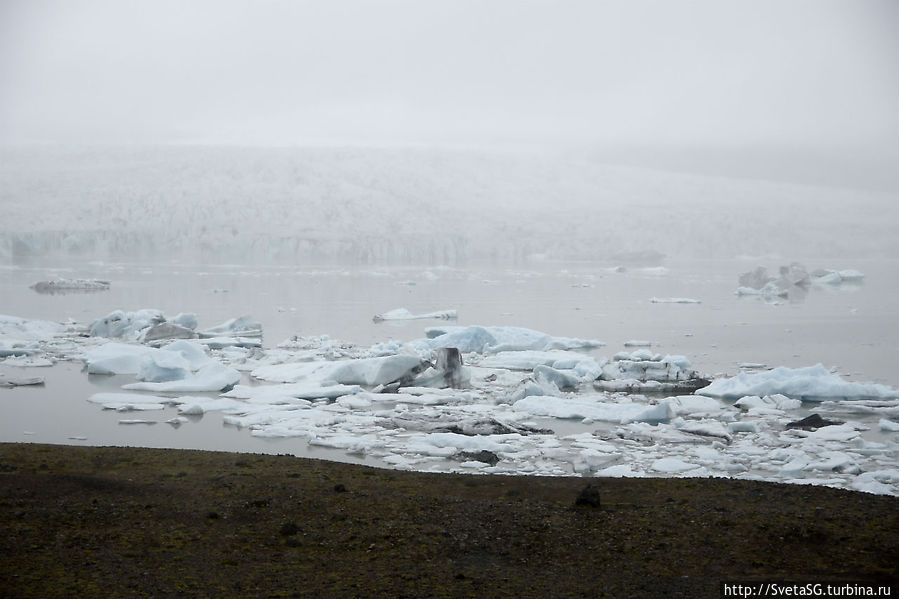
{"type": "Point", "coordinates": [212, 377]}
{"type": "Point", "coordinates": [813, 383]}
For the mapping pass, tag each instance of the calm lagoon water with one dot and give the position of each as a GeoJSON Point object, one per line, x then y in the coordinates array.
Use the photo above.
{"type": "Point", "coordinates": [852, 328]}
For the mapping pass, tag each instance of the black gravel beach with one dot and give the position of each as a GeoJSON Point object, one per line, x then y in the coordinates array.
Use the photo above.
{"type": "Point", "coordinates": [131, 522]}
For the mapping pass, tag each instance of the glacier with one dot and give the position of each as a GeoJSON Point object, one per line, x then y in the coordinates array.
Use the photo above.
{"type": "Point", "coordinates": [403, 205]}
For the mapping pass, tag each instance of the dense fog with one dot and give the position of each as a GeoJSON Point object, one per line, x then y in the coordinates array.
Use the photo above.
{"type": "Point", "coordinates": [447, 132]}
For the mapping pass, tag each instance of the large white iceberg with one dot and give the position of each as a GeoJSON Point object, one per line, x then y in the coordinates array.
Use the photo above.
{"type": "Point", "coordinates": [363, 371]}
{"type": "Point", "coordinates": [116, 358]}
{"type": "Point", "coordinates": [243, 326]}
{"type": "Point", "coordinates": [594, 408]}
{"type": "Point", "coordinates": [20, 331]}
{"type": "Point", "coordinates": [405, 314]}
{"type": "Point", "coordinates": [149, 363]}
{"type": "Point", "coordinates": [60, 285]}
{"type": "Point", "coordinates": [211, 377]}
{"type": "Point", "coordinates": [496, 339]}
{"type": "Point", "coordinates": [813, 383]}
{"type": "Point", "coordinates": [126, 325]}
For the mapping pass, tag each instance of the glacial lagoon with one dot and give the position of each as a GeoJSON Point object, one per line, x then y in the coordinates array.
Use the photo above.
{"type": "Point", "coordinates": [686, 308]}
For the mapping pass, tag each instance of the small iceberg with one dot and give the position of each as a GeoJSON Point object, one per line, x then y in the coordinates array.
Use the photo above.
{"type": "Point", "coordinates": [404, 314]}
{"type": "Point", "coordinates": [243, 326]}
{"type": "Point", "coordinates": [674, 300]}
{"type": "Point", "coordinates": [837, 277]}
{"type": "Point", "coordinates": [63, 286]}
{"type": "Point", "coordinates": [813, 383]}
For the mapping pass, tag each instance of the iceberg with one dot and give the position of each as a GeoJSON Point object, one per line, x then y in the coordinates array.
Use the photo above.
{"type": "Point", "coordinates": [594, 408]}
{"type": "Point", "coordinates": [645, 372]}
{"type": "Point", "coordinates": [769, 290]}
{"type": "Point", "coordinates": [836, 277]}
{"type": "Point", "coordinates": [531, 359]}
{"type": "Point", "coordinates": [813, 383]}
{"type": "Point", "coordinates": [167, 330]}
{"type": "Point", "coordinates": [363, 371]}
{"type": "Point", "coordinates": [404, 314]}
{"type": "Point", "coordinates": [270, 393]}
{"type": "Point", "coordinates": [62, 286]}
{"type": "Point", "coordinates": [116, 358]}
{"type": "Point", "coordinates": [376, 371]}
{"type": "Point", "coordinates": [19, 331]}
{"type": "Point", "coordinates": [149, 362]}
{"type": "Point", "coordinates": [163, 366]}
{"type": "Point", "coordinates": [243, 326]}
{"type": "Point", "coordinates": [225, 342]}
{"type": "Point", "coordinates": [20, 381]}
{"type": "Point", "coordinates": [126, 325]}
{"type": "Point", "coordinates": [211, 377]}
{"type": "Point", "coordinates": [497, 339]}
{"type": "Point", "coordinates": [674, 300]}
{"type": "Point", "coordinates": [127, 402]}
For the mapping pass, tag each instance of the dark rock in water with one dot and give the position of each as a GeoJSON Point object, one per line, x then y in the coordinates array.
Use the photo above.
{"type": "Point", "coordinates": [449, 362]}
{"type": "Point", "coordinates": [167, 330]}
{"type": "Point", "coordinates": [812, 422]}
{"type": "Point", "coordinates": [488, 457]}
{"type": "Point", "coordinates": [476, 426]}
{"type": "Point", "coordinates": [445, 372]}
{"type": "Point", "coordinates": [588, 497]}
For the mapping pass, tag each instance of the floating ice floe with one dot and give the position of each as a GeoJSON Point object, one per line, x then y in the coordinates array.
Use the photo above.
{"type": "Point", "coordinates": [28, 361]}
{"type": "Point", "coordinates": [126, 325]}
{"type": "Point", "coordinates": [273, 393]}
{"type": "Point", "coordinates": [20, 381]}
{"type": "Point", "coordinates": [793, 279]}
{"type": "Point", "coordinates": [674, 300]}
{"type": "Point", "coordinates": [364, 371]}
{"type": "Point", "coordinates": [813, 383]}
{"type": "Point", "coordinates": [150, 362]}
{"type": "Point", "coordinates": [116, 358]}
{"type": "Point", "coordinates": [404, 314]}
{"type": "Point", "coordinates": [225, 342]}
{"type": "Point", "coordinates": [593, 408]}
{"type": "Point", "coordinates": [151, 326]}
{"type": "Point", "coordinates": [496, 339]}
{"type": "Point", "coordinates": [243, 326]}
{"type": "Point", "coordinates": [391, 402]}
{"type": "Point", "coordinates": [836, 277]}
{"type": "Point", "coordinates": [15, 331]}
{"type": "Point", "coordinates": [645, 371]}
{"type": "Point", "coordinates": [768, 290]}
{"type": "Point", "coordinates": [62, 286]}
{"type": "Point", "coordinates": [128, 402]}
{"type": "Point", "coordinates": [213, 376]}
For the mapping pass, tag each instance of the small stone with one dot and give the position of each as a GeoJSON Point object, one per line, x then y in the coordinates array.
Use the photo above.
{"type": "Point", "coordinates": [812, 422]}
{"type": "Point", "coordinates": [589, 497]}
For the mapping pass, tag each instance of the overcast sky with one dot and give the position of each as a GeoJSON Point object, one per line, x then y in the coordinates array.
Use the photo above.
{"type": "Point", "coordinates": [279, 71]}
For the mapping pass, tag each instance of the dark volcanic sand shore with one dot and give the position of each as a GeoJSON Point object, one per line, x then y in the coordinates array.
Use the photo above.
{"type": "Point", "coordinates": [129, 522]}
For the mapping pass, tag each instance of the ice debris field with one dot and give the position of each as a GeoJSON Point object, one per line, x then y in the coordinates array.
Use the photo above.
{"type": "Point", "coordinates": [483, 399]}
